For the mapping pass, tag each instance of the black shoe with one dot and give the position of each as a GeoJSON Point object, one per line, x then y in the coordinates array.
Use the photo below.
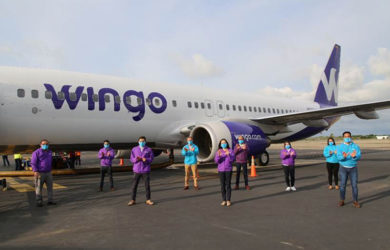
{"type": "Point", "coordinates": [100, 190]}
{"type": "Point", "coordinates": [51, 203]}
{"type": "Point", "coordinates": [39, 204]}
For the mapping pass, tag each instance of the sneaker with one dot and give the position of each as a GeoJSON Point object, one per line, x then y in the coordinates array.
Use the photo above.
{"type": "Point", "coordinates": [196, 187]}
{"type": "Point", "coordinates": [223, 203]}
{"type": "Point", "coordinates": [131, 203]}
{"type": "Point", "coordinates": [100, 190]}
{"type": "Point", "coordinates": [51, 203]}
{"type": "Point", "coordinates": [356, 204]}
{"type": "Point", "coordinates": [293, 188]}
{"type": "Point", "coordinates": [341, 203]}
{"type": "Point", "coordinates": [149, 202]}
{"type": "Point", "coordinates": [330, 187]}
{"type": "Point", "coordinates": [288, 189]}
{"type": "Point", "coordinates": [228, 203]}
{"type": "Point", "coordinates": [236, 187]}
{"type": "Point", "coordinates": [247, 187]}
{"type": "Point", "coordinates": [186, 188]}
{"type": "Point", "coordinates": [337, 187]}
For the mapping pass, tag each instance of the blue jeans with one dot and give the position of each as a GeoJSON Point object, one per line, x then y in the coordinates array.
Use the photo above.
{"type": "Point", "coordinates": [353, 174]}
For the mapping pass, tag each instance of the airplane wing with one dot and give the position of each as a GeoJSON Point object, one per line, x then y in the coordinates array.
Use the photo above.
{"type": "Point", "coordinates": [316, 117]}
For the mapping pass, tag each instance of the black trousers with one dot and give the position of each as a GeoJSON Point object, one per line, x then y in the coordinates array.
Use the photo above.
{"type": "Point", "coordinates": [103, 171]}
{"type": "Point", "coordinates": [333, 171]}
{"type": "Point", "coordinates": [226, 189]}
{"type": "Point", "coordinates": [289, 172]}
{"type": "Point", "coordinates": [5, 160]}
{"type": "Point", "coordinates": [18, 164]}
{"type": "Point", "coordinates": [137, 178]}
{"type": "Point", "coordinates": [244, 166]}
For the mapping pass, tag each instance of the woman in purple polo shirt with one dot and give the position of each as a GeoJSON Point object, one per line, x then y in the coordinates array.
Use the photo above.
{"type": "Point", "coordinates": [288, 156]}
{"type": "Point", "coordinates": [224, 158]}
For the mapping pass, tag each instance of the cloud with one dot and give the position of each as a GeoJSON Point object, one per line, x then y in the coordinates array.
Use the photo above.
{"type": "Point", "coordinates": [380, 64]}
{"type": "Point", "coordinates": [198, 66]}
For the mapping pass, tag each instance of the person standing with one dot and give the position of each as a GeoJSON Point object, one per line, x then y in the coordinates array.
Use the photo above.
{"type": "Point", "coordinates": [332, 163]}
{"type": "Point", "coordinates": [190, 152]}
{"type": "Point", "coordinates": [5, 161]}
{"type": "Point", "coordinates": [18, 162]}
{"type": "Point", "coordinates": [41, 162]}
{"type": "Point", "coordinates": [224, 157]}
{"type": "Point", "coordinates": [288, 156]}
{"type": "Point", "coordinates": [141, 157]}
{"type": "Point", "coordinates": [78, 158]}
{"type": "Point", "coordinates": [348, 154]}
{"type": "Point", "coordinates": [106, 155]}
{"type": "Point", "coordinates": [241, 151]}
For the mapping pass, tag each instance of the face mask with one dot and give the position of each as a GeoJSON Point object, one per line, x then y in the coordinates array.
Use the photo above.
{"type": "Point", "coordinates": [331, 143]}
{"type": "Point", "coordinates": [287, 146]}
{"type": "Point", "coordinates": [347, 139]}
{"type": "Point", "coordinates": [106, 145]}
{"type": "Point", "coordinates": [189, 142]}
{"type": "Point", "coordinates": [224, 145]}
{"type": "Point", "coordinates": [241, 141]}
{"type": "Point", "coordinates": [45, 147]}
{"type": "Point", "coordinates": [142, 144]}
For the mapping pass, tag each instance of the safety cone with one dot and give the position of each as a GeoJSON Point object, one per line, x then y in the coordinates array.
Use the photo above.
{"type": "Point", "coordinates": [121, 162]}
{"type": "Point", "coordinates": [253, 168]}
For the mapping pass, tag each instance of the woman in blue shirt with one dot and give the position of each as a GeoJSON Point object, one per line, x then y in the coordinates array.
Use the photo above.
{"type": "Point", "coordinates": [332, 163]}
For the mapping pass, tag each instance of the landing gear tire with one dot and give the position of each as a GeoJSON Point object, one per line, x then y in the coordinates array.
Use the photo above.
{"type": "Point", "coordinates": [264, 158]}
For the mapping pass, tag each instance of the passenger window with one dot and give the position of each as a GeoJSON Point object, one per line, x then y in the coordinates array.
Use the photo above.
{"type": "Point", "coordinates": [245, 108]}
{"type": "Point", "coordinates": [277, 111]}
{"type": "Point", "coordinates": [61, 96]}
{"type": "Point", "coordinates": [227, 107]}
{"type": "Point", "coordinates": [250, 109]}
{"type": "Point", "coordinates": [189, 104]}
{"type": "Point", "coordinates": [259, 109]}
{"type": "Point", "coordinates": [34, 93]}
{"type": "Point", "coordinates": [269, 110]}
{"type": "Point", "coordinates": [95, 98]}
{"type": "Point", "coordinates": [72, 96]}
{"type": "Point", "coordinates": [239, 107]}
{"type": "Point", "coordinates": [20, 92]}
{"type": "Point", "coordinates": [202, 105]}
{"type": "Point", "coordinates": [220, 106]}
{"type": "Point", "coordinates": [48, 94]}
{"type": "Point", "coordinates": [117, 99]}
{"type": "Point", "coordinates": [84, 97]}
{"type": "Point", "coordinates": [254, 109]}
{"type": "Point", "coordinates": [273, 110]}
{"type": "Point", "coordinates": [234, 107]}
{"type": "Point", "coordinates": [174, 103]}
{"type": "Point", "coordinates": [208, 105]}
{"type": "Point", "coordinates": [196, 105]}
{"type": "Point", "coordinates": [264, 110]}
{"type": "Point", "coordinates": [282, 111]}
{"type": "Point", "coordinates": [106, 98]}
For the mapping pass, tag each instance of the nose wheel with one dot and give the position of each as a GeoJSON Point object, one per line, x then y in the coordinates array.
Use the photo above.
{"type": "Point", "coordinates": [264, 158]}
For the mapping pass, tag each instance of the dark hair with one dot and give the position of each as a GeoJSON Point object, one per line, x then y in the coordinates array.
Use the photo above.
{"type": "Point", "coordinates": [286, 142]}
{"type": "Point", "coordinates": [347, 132]}
{"type": "Point", "coordinates": [223, 139]}
{"type": "Point", "coordinates": [106, 141]}
{"type": "Point", "coordinates": [142, 137]}
{"type": "Point", "coordinates": [331, 138]}
{"type": "Point", "coordinates": [43, 141]}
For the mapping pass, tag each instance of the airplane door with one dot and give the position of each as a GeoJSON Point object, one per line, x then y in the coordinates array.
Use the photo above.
{"type": "Point", "coordinates": [220, 109]}
{"type": "Point", "coordinates": [209, 108]}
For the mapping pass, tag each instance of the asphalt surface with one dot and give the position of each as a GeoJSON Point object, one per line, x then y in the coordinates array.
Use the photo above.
{"type": "Point", "coordinates": [266, 217]}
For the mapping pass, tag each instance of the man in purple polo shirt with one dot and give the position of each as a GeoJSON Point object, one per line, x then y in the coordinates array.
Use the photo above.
{"type": "Point", "coordinates": [41, 161]}
{"type": "Point", "coordinates": [241, 151]}
{"type": "Point", "coordinates": [106, 155]}
{"type": "Point", "coordinates": [141, 157]}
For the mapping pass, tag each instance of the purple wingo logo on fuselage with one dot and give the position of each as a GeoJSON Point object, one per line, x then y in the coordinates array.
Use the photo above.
{"type": "Point", "coordinates": [156, 102]}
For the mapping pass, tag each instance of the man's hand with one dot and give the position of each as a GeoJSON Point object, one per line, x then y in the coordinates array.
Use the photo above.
{"type": "Point", "coordinates": [192, 149]}
{"type": "Point", "coordinates": [139, 158]}
{"type": "Point", "coordinates": [36, 174]}
{"type": "Point", "coordinates": [330, 152]}
{"type": "Point", "coordinates": [143, 159]}
{"type": "Point", "coordinates": [353, 154]}
{"type": "Point", "coordinates": [345, 155]}
{"type": "Point", "coordinates": [185, 149]}
{"type": "Point", "coordinates": [244, 146]}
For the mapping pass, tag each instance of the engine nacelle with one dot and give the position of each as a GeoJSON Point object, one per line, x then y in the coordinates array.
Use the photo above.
{"type": "Point", "coordinates": [207, 136]}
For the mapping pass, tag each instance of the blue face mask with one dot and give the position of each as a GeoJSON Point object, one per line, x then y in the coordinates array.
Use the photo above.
{"type": "Point", "coordinates": [241, 141]}
{"type": "Point", "coordinates": [142, 144]}
{"type": "Point", "coordinates": [347, 139]}
{"type": "Point", "coordinates": [45, 147]}
{"type": "Point", "coordinates": [189, 142]}
{"type": "Point", "coordinates": [331, 143]}
{"type": "Point", "coordinates": [106, 145]}
{"type": "Point", "coordinates": [224, 145]}
{"type": "Point", "coordinates": [287, 146]}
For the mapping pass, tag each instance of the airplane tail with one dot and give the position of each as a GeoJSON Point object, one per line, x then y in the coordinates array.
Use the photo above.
{"type": "Point", "coordinates": [327, 90]}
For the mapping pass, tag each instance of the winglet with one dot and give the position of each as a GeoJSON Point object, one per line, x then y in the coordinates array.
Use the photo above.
{"type": "Point", "coordinates": [327, 90]}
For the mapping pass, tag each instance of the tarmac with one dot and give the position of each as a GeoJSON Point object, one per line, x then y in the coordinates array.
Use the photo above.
{"type": "Point", "coordinates": [266, 217]}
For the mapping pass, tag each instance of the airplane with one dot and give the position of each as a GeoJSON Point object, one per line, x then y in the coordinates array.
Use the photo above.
{"type": "Point", "coordinates": [77, 111]}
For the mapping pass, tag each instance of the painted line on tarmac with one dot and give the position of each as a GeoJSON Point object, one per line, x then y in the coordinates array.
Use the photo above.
{"type": "Point", "coordinates": [234, 230]}
{"type": "Point", "coordinates": [19, 184]}
{"type": "Point", "coordinates": [291, 245]}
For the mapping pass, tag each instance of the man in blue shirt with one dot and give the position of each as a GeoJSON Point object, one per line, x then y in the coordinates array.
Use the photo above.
{"type": "Point", "coordinates": [348, 154]}
{"type": "Point", "coordinates": [190, 151]}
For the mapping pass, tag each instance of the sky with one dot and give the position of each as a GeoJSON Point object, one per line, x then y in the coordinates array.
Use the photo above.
{"type": "Point", "coordinates": [267, 47]}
